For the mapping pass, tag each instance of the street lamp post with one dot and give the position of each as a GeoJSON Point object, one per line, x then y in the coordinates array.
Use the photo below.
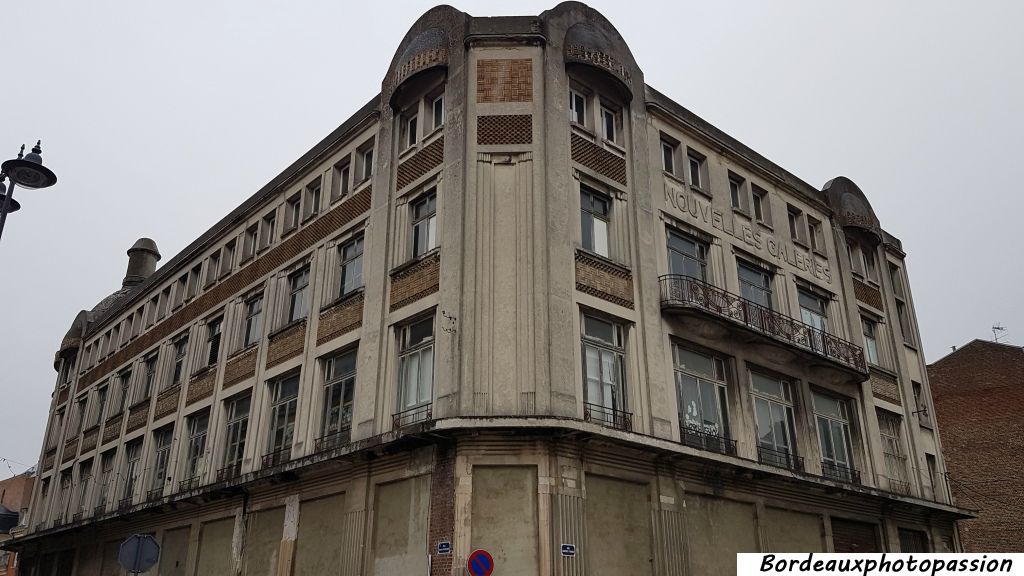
{"type": "Point", "coordinates": [26, 170]}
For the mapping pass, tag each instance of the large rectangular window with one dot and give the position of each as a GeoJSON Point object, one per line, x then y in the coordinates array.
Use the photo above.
{"type": "Point", "coordinates": [773, 413]}
{"type": "Point", "coordinates": [213, 333]}
{"type": "Point", "coordinates": [416, 364]}
{"type": "Point", "coordinates": [252, 328]}
{"type": "Point", "coordinates": [813, 309]}
{"type": "Point", "coordinates": [106, 480]}
{"type": "Point", "coordinates": [132, 469]}
{"type": "Point", "coordinates": [237, 430]}
{"type": "Point", "coordinates": [84, 482]}
{"type": "Point", "coordinates": [832, 416]}
{"type": "Point", "coordinates": [298, 288]}
{"type": "Point", "coordinates": [755, 284]}
{"type": "Point", "coordinates": [148, 377]}
{"type": "Point", "coordinates": [195, 457]}
{"type": "Point", "coordinates": [180, 346]}
{"type": "Point", "coordinates": [870, 341]}
{"type": "Point", "coordinates": [604, 376]}
{"type": "Point", "coordinates": [350, 254]}
{"type": "Point", "coordinates": [686, 256]}
{"type": "Point", "coordinates": [424, 225]}
{"type": "Point", "coordinates": [702, 400]}
{"type": "Point", "coordinates": [339, 384]}
{"type": "Point", "coordinates": [594, 218]}
{"type": "Point", "coordinates": [577, 107]}
{"type": "Point", "coordinates": [890, 428]}
{"type": "Point", "coordinates": [284, 402]}
{"type": "Point", "coordinates": [162, 440]}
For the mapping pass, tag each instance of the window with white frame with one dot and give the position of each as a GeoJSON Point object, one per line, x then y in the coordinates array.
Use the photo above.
{"type": "Point", "coordinates": [227, 258]}
{"type": "Point", "coordinates": [755, 284]}
{"type": "Point", "coordinates": [284, 402]}
{"type": "Point", "coordinates": [761, 205]}
{"type": "Point", "coordinates": [813, 309]}
{"type": "Point", "coordinates": [350, 256]}
{"type": "Point", "coordinates": [870, 264]}
{"type": "Point", "coordinates": [669, 151]}
{"type": "Point", "coordinates": [577, 107]}
{"type": "Point", "coordinates": [195, 456]}
{"type": "Point", "coordinates": [237, 410]}
{"type": "Point", "coordinates": [696, 167]}
{"type": "Point", "coordinates": [193, 281]}
{"type": "Point", "coordinates": [797, 225]}
{"type": "Point", "coordinates": [311, 202]}
{"type": "Point", "coordinates": [832, 416]}
{"type": "Point", "coordinates": [298, 294]}
{"type": "Point", "coordinates": [687, 256]}
{"type": "Point", "coordinates": [738, 192]}
{"type": "Point", "coordinates": [604, 371]}
{"type": "Point", "coordinates": [213, 338]}
{"type": "Point", "coordinates": [268, 230]}
{"type": "Point", "coordinates": [595, 209]}
{"type": "Point", "coordinates": [701, 394]}
{"type": "Point", "coordinates": [870, 328]}
{"type": "Point", "coordinates": [249, 240]}
{"type": "Point", "coordinates": [212, 268]}
{"type": "Point", "coordinates": [132, 470]}
{"type": "Point", "coordinates": [410, 129]}
{"type": "Point", "coordinates": [773, 415]}
{"type": "Point", "coordinates": [366, 163]}
{"type": "Point", "coordinates": [890, 427]}
{"type": "Point", "coordinates": [416, 364]}
{"type": "Point", "coordinates": [339, 385]}
{"type": "Point", "coordinates": [424, 224]}
{"type": "Point", "coordinates": [252, 325]}
{"type": "Point", "coordinates": [180, 347]}
{"type": "Point", "coordinates": [815, 235]}
{"type": "Point", "coordinates": [162, 441]}
{"type": "Point", "coordinates": [341, 180]}
{"type": "Point", "coordinates": [611, 124]}
{"type": "Point", "coordinates": [293, 212]}
{"type": "Point", "coordinates": [437, 111]}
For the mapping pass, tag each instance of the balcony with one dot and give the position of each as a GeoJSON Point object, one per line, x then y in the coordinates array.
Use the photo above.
{"type": "Point", "coordinates": [228, 472]}
{"type": "Point", "coordinates": [619, 419]}
{"type": "Point", "coordinates": [780, 459]}
{"type": "Point", "coordinates": [155, 494]}
{"type": "Point", "coordinates": [333, 440]}
{"type": "Point", "coordinates": [100, 509]}
{"type": "Point", "coordinates": [188, 484]}
{"type": "Point", "coordinates": [277, 457]}
{"type": "Point", "coordinates": [704, 441]}
{"type": "Point", "coordinates": [901, 487]}
{"type": "Point", "coordinates": [124, 504]}
{"type": "Point", "coordinates": [839, 472]}
{"type": "Point", "coordinates": [412, 416]}
{"type": "Point", "coordinates": [686, 295]}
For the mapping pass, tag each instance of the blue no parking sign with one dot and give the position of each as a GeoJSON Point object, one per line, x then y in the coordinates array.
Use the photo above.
{"type": "Point", "coordinates": [480, 563]}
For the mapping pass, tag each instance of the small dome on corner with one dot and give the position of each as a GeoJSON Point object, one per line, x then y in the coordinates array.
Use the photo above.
{"type": "Point", "coordinates": [850, 207]}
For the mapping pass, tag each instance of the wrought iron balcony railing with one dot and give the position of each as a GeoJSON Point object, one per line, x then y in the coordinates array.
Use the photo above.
{"type": "Point", "coordinates": [411, 416]}
{"type": "Point", "coordinates": [611, 417]}
{"type": "Point", "coordinates": [710, 442]}
{"type": "Point", "coordinates": [840, 472]}
{"type": "Point", "coordinates": [100, 509]}
{"type": "Point", "coordinates": [228, 472]}
{"type": "Point", "coordinates": [901, 487]}
{"type": "Point", "coordinates": [780, 459]}
{"type": "Point", "coordinates": [333, 440]}
{"type": "Point", "coordinates": [279, 456]}
{"type": "Point", "coordinates": [124, 503]}
{"type": "Point", "coordinates": [684, 291]}
{"type": "Point", "coordinates": [76, 516]}
{"type": "Point", "coordinates": [155, 494]}
{"type": "Point", "coordinates": [188, 484]}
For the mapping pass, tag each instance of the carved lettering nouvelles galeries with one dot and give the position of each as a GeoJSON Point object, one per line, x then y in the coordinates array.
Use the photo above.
{"type": "Point", "coordinates": [688, 205]}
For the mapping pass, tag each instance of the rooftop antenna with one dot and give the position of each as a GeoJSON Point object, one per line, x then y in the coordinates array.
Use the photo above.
{"type": "Point", "coordinates": [998, 332]}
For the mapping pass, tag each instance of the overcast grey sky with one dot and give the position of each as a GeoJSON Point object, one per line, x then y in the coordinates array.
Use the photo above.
{"type": "Point", "coordinates": [159, 118]}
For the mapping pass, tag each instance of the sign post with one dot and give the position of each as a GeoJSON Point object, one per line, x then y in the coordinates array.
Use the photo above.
{"type": "Point", "coordinates": [480, 563]}
{"type": "Point", "coordinates": [138, 553]}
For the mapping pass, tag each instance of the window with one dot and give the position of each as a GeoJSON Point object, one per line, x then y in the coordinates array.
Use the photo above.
{"type": "Point", "coordinates": [797, 229]}
{"type": "Point", "coordinates": [341, 181]}
{"type": "Point", "coordinates": [78, 421]}
{"type": "Point", "coordinates": [905, 328]}
{"type": "Point", "coordinates": [238, 426]}
{"type": "Point", "coordinates": [815, 235]}
{"type": "Point", "coordinates": [165, 302]}
{"type": "Point", "coordinates": [124, 382]}
{"type": "Point", "coordinates": [437, 111]}
{"type": "Point", "coordinates": [609, 124]}
{"type": "Point", "coordinates": [594, 209]}
{"type": "Point", "coordinates": [148, 376]}
{"type": "Point", "coordinates": [292, 212]}
{"type": "Point", "coordinates": [409, 131]}
{"type": "Point", "coordinates": [213, 268]}
{"type": "Point", "coordinates": [870, 265]}
{"type": "Point", "coordinates": [340, 379]}
{"type": "Point", "coordinates": [755, 284]}
{"type": "Point", "coordinates": [100, 406]}
{"type": "Point", "coordinates": [133, 455]}
{"type": "Point", "coordinates": [64, 499]}
{"type": "Point", "coordinates": [762, 206]}
{"type": "Point", "coordinates": [351, 256]}
{"type": "Point", "coordinates": [366, 160]}
{"type": "Point", "coordinates": [668, 156]}
{"type": "Point", "coordinates": [889, 426]}
{"type": "Point", "coordinates": [921, 405]}
{"type": "Point", "coordinates": [913, 540]}
{"type": "Point", "coordinates": [424, 225]}
{"type": "Point", "coordinates": [933, 477]}
{"type": "Point", "coordinates": [870, 341]}
{"type": "Point", "coordinates": [180, 346]}
{"type": "Point", "coordinates": [416, 364]}
{"type": "Point", "coordinates": [227, 259]}
{"type": "Point", "coordinates": [198, 426]}
{"type": "Point", "coordinates": [193, 280]}
{"type": "Point", "coordinates": [106, 477]}
{"type": "Point", "coordinates": [162, 440]}
{"type": "Point", "coordinates": [311, 206]}
{"type": "Point", "coordinates": [604, 390]}
{"type": "Point", "coordinates": [213, 332]}
{"type": "Point", "coordinates": [702, 400]}
{"type": "Point", "coordinates": [249, 241]}
{"type": "Point", "coordinates": [738, 192]}
{"type": "Point", "coordinates": [179, 290]}
{"type": "Point", "coordinates": [298, 285]}
{"type": "Point", "coordinates": [832, 416]}
{"type": "Point", "coordinates": [773, 413]}
{"type": "Point", "coordinates": [84, 481]}
{"type": "Point", "coordinates": [813, 309]}
{"type": "Point", "coordinates": [577, 107]}
{"type": "Point", "coordinates": [896, 277]}
{"type": "Point", "coordinates": [696, 167]}
{"type": "Point", "coordinates": [284, 400]}
{"type": "Point", "coordinates": [253, 326]}
{"type": "Point", "coordinates": [687, 257]}
{"type": "Point", "coordinates": [268, 231]}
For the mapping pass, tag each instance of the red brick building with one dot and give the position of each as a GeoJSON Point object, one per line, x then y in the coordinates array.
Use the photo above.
{"type": "Point", "coordinates": [979, 399]}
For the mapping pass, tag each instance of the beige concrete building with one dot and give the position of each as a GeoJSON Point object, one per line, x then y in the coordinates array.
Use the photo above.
{"type": "Point", "coordinates": [521, 301]}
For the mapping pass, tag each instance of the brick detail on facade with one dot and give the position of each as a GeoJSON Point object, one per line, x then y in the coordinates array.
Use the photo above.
{"type": "Point", "coordinates": [868, 294]}
{"type": "Point", "coordinates": [272, 260]}
{"type": "Point", "coordinates": [138, 415]}
{"type": "Point", "coordinates": [885, 387]}
{"type": "Point", "coordinates": [442, 507]}
{"type": "Point", "coordinates": [504, 80]}
{"type": "Point", "coordinates": [48, 459]}
{"type": "Point", "coordinates": [603, 279]}
{"type": "Point", "coordinates": [420, 163]}
{"type": "Point", "coordinates": [70, 450]}
{"type": "Point", "coordinates": [419, 61]}
{"type": "Point", "coordinates": [504, 129]}
{"type": "Point", "coordinates": [286, 344]}
{"type": "Point", "coordinates": [978, 392]}
{"type": "Point", "coordinates": [167, 402]}
{"type": "Point", "coordinates": [416, 281]}
{"type": "Point", "coordinates": [201, 386]}
{"type": "Point", "coordinates": [598, 159]}
{"type": "Point", "coordinates": [112, 429]}
{"type": "Point", "coordinates": [241, 367]}
{"type": "Point", "coordinates": [340, 318]}
{"type": "Point", "coordinates": [89, 438]}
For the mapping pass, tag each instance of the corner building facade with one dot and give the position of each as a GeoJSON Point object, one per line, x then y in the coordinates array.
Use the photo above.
{"type": "Point", "coordinates": [520, 300]}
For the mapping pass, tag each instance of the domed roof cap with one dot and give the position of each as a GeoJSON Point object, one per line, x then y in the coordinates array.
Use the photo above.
{"type": "Point", "coordinates": [850, 207]}
{"type": "Point", "coordinates": [145, 244]}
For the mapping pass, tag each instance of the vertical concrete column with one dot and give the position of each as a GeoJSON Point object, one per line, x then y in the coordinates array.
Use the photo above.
{"type": "Point", "coordinates": [353, 536]}
{"type": "Point", "coordinates": [286, 555]}
{"type": "Point", "coordinates": [567, 511]}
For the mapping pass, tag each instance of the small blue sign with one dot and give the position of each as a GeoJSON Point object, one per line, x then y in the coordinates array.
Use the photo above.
{"type": "Point", "coordinates": [444, 548]}
{"type": "Point", "coordinates": [569, 550]}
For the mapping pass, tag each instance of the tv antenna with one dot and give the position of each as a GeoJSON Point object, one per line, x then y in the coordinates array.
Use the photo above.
{"type": "Point", "coordinates": [998, 332]}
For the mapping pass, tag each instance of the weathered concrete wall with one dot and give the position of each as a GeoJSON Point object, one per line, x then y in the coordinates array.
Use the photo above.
{"type": "Point", "coordinates": [215, 547]}
{"type": "Point", "coordinates": [174, 552]}
{"type": "Point", "coordinates": [716, 530]}
{"type": "Point", "coordinates": [400, 527]}
{"type": "Point", "coordinates": [110, 565]}
{"type": "Point", "coordinates": [263, 542]}
{"type": "Point", "coordinates": [789, 531]}
{"type": "Point", "coordinates": [318, 548]}
{"type": "Point", "coordinates": [618, 523]}
{"type": "Point", "coordinates": [505, 517]}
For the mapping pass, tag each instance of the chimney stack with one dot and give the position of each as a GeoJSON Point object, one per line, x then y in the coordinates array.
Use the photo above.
{"type": "Point", "coordinates": [142, 259]}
